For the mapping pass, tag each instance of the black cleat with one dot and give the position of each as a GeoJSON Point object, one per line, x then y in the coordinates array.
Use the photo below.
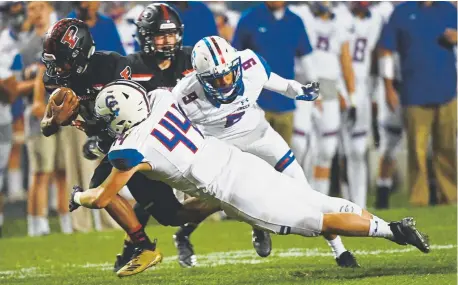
{"type": "Point", "coordinates": [186, 256]}
{"type": "Point", "coordinates": [261, 242]}
{"type": "Point", "coordinates": [0, 231]}
{"type": "Point", "coordinates": [347, 260]}
{"type": "Point", "coordinates": [404, 232]}
{"type": "Point", "coordinates": [127, 254]}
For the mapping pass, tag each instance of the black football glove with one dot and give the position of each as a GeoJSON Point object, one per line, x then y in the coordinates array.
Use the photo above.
{"type": "Point", "coordinates": [72, 205]}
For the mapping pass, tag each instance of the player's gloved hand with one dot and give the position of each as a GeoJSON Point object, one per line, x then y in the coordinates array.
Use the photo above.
{"type": "Point", "coordinates": [308, 92]}
{"type": "Point", "coordinates": [72, 205]}
{"type": "Point", "coordinates": [91, 149]}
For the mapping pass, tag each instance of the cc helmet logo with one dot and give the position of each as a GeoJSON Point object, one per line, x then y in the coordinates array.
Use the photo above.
{"type": "Point", "coordinates": [70, 37]}
{"type": "Point", "coordinates": [111, 103]}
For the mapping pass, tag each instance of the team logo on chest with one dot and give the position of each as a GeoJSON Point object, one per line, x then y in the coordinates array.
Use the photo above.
{"type": "Point", "coordinates": [70, 37]}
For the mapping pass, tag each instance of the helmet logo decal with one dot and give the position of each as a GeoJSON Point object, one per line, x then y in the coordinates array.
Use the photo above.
{"type": "Point", "coordinates": [165, 12]}
{"type": "Point", "coordinates": [111, 103]}
{"type": "Point", "coordinates": [218, 50]}
{"type": "Point", "coordinates": [126, 73]}
{"type": "Point", "coordinates": [70, 37]}
{"type": "Point", "coordinates": [211, 51]}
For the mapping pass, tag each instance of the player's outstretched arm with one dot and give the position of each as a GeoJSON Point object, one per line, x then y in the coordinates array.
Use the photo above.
{"type": "Point", "coordinates": [101, 196]}
{"type": "Point", "coordinates": [292, 88]}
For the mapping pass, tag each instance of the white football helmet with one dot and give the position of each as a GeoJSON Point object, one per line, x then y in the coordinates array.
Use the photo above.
{"type": "Point", "coordinates": [214, 59]}
{"type": "Point", "coordinates": [122, 104]}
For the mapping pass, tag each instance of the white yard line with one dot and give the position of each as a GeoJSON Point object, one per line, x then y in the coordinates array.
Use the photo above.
{"type": "Point", "coordinates": [224, 258]}
{"type": "Point", "coordinates": [249, 256]}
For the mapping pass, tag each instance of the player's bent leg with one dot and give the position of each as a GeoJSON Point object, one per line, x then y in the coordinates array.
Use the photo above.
{"type": "Point", "coordinates": [146, 254]}
{"type": "Point", "coordinates": [403, 232]}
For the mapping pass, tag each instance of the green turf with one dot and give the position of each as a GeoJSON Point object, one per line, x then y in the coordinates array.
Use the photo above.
{"type": "Point", "coordinates": [225, 253]}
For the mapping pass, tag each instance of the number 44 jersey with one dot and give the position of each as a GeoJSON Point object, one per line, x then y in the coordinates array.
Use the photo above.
{"type": "Point", "coordinates": [226, 121]}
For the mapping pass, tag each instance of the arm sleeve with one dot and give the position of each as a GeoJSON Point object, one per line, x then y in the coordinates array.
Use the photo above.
{"type": "Point", "coordinates": [277, 84]}
{"type": "Point", "coordinates": [125, 159]}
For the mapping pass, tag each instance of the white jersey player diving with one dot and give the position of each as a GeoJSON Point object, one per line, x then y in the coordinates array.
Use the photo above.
{"type": "Point", "coordinates": [229, 111]}
{"type": "Point", "coordinates": [220, 97]}
{"type": "Point", "coordinates": [156, 139]}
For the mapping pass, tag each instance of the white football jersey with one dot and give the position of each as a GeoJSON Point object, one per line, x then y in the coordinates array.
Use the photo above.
{"type": "Point", "coordinates": [166, 140]}
{"type": "Point", "coordinates": [226, 121]}
{"type": "Point", "coordinates": [326, 38]}
{"type": "Point", "coordinates": [364, 37]}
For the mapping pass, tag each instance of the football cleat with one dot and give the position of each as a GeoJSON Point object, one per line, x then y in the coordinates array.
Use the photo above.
{"type": "Point", "coordinates": [261, 242]}
{"type": "Point", "coordinates": [141, 260]}
{"type": "Point", "coordinates": [347, 260]}
{"type": "Point", "coordinates": [126, 256]}
{"type": "Point", "coordinates": [405, 232]}
{"type": "Point", "coordinates": [186, 256]}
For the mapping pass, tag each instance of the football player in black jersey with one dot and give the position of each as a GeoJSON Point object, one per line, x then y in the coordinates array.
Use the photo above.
{"type": "Point", "coordinates": [71, 61]}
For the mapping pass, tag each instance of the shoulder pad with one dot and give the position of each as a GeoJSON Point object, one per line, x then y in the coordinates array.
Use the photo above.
{"type": "Point", "coordinates": [125, 159]}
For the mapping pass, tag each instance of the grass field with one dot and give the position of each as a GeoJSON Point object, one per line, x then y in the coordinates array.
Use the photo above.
{"type": "Point", "coordinates": [225, 256]}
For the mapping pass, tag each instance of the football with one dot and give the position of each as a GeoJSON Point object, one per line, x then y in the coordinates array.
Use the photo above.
{"type": "Point", "coordinates": [58, 97]}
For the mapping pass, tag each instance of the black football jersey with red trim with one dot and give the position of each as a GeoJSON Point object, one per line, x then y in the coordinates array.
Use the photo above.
{"type": "Point", "coordinates": [105, 67]}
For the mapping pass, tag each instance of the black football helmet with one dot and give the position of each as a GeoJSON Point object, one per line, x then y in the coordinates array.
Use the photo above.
{"type": "Point", "coordinates": [67, 49]}
{"type": "Point", "coordinates": [159, 19]}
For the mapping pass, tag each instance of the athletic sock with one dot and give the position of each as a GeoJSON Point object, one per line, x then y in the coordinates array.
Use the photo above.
{"type": "Point", "coordinates": [380, 228]}
{"type": "Point", "coordinates": [337, 246]}
{"type": "Point", "coordinates": [140, 239]}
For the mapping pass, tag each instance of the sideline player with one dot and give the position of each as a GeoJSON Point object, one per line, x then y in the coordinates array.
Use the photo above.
{"type": "Point", "coordinates": [154, 137]}
{"type": "Point", "coordinates": [330, 41]}
{"type": "Point", "coordinates": [366, 29]}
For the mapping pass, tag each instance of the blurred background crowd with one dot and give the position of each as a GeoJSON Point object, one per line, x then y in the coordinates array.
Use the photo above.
{"type": "Point", "coordinates": [408, 150]}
